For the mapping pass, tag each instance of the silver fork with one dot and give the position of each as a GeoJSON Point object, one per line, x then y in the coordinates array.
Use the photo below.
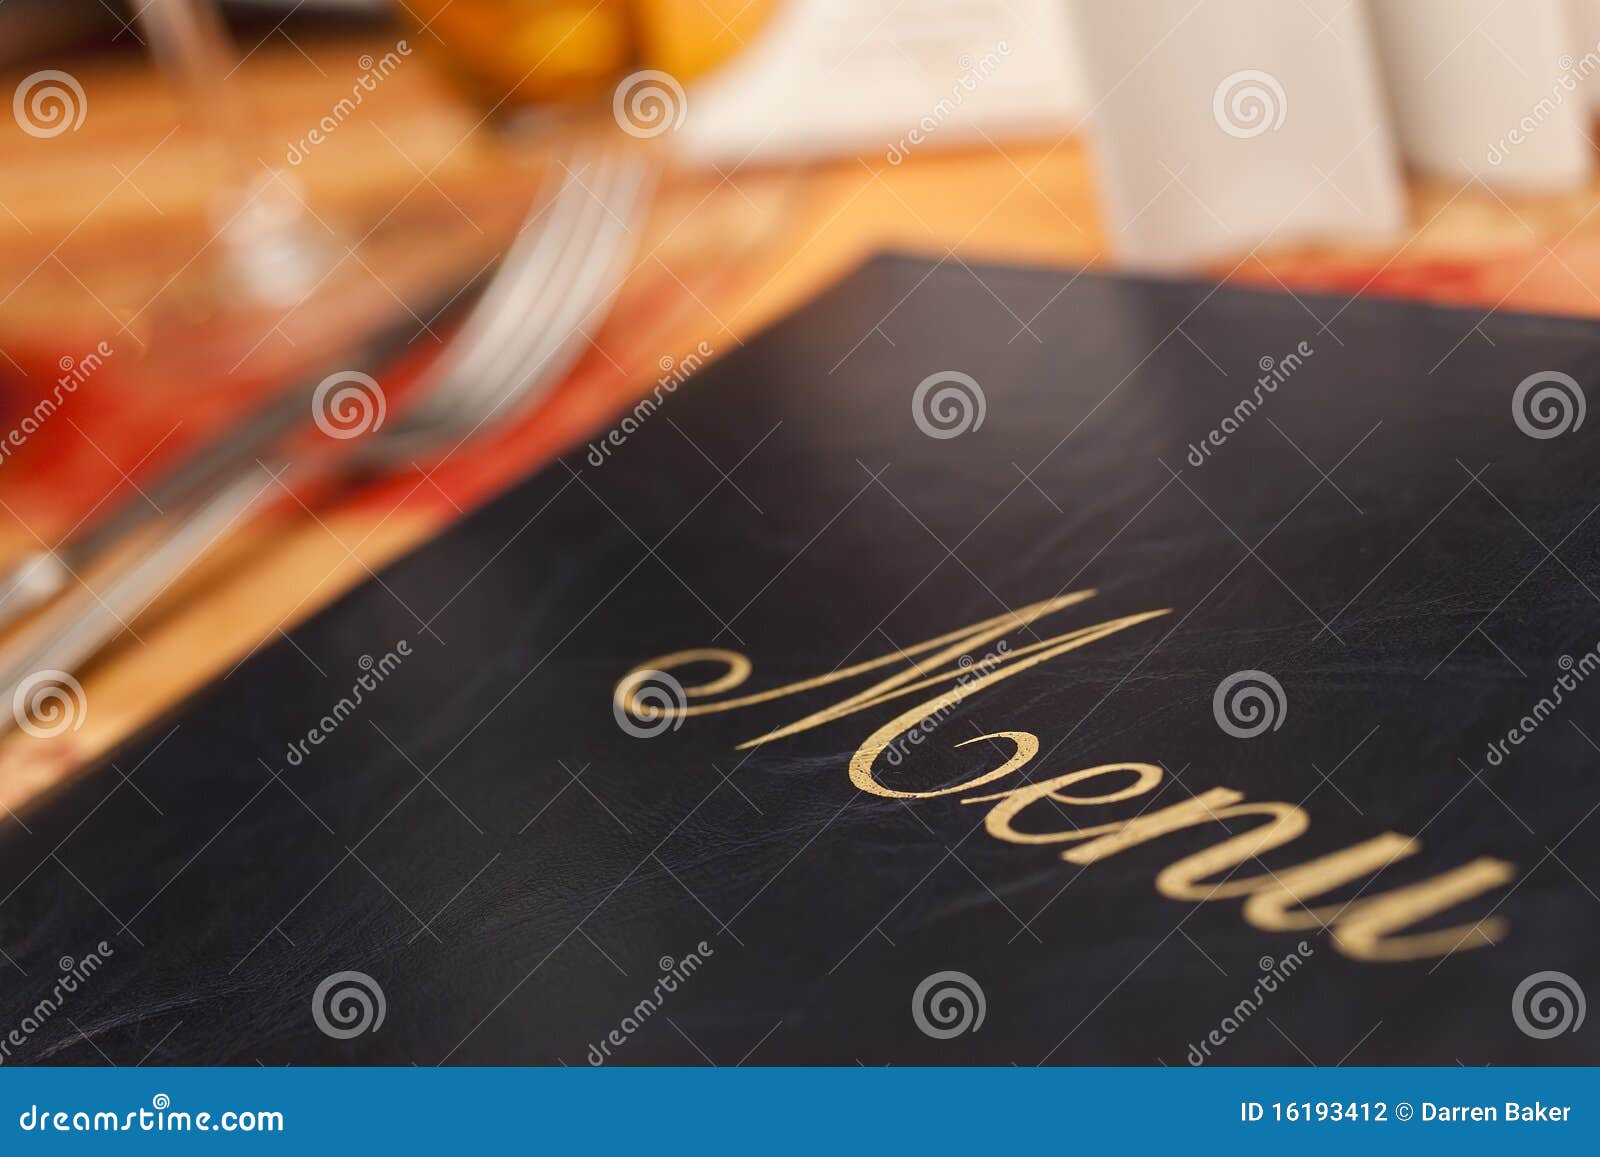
{"type": "Point", "coordinates": [37, 576]}
{"type": "Point", "coordinates": [554, 286]}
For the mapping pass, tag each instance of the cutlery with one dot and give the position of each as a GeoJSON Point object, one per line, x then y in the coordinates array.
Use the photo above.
{"type": "Point", "coordinates": [30, 581]}
{"type": "Point", "coordinates": [528, 327]}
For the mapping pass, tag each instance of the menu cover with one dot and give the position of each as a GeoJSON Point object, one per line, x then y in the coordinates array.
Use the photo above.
{"type": "Point", "coordinates": [982, 665]}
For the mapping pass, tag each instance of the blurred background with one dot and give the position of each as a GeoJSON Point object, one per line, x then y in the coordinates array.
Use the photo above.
{"type": "Point", "coordinates": [204, 207]}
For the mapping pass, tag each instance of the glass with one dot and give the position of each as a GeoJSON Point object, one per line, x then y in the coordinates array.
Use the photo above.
{"type": "Point", "coordinates": [520, 52]}
{"type": "Point", "coordinates": [268, 250]}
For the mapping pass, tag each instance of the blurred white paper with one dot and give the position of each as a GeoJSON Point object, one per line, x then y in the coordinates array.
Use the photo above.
{"type": "Point", "coordinates": [1481, 88]}
{"type": "Point", "coordinates": [1230, 123]}
{"type": "Point", "coordinates": [831, 77]}
{"type": "Point", "coordinates": [1585, 18]}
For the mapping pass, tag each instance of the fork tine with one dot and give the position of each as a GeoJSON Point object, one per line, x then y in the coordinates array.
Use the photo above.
{"type": "Point", "coordinates": [592, 256]}
{"type": "Point", "coordinates": [594, 288]}
{"type": "Point", "coordinates": [565, 295]}
{"type": "Point", "coordinates": [497, 312]}
{"type": "Point", "coordinates": [528, 274]}
{"type": "Point", "coordinates": [581, 244]}
{"type": "Point", "coordinates": [553, 289]}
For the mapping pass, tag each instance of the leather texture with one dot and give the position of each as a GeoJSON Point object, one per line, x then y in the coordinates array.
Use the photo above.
{"type": "Point", "coordinates": [483, 839]}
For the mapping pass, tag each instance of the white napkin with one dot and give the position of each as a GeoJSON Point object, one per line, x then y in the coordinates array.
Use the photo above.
{"type": "Point", "coordinates": [1230, 123]}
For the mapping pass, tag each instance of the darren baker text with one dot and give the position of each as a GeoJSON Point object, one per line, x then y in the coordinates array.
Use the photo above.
{"type": "Point", "coordinates": [1512, 1112]}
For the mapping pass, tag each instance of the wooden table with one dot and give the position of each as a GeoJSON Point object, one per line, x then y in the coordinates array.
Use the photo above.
{"type": "Point", "coordinates": [105, 238]}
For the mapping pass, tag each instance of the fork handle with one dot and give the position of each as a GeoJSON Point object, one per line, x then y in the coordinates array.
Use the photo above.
{"type": "Point", "coordinates": [84, 620]}
{"type": "Point", "coordinates": [31, 581]}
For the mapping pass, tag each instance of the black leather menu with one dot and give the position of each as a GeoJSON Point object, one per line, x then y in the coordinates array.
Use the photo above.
{"type": "Point", "coordinates": [982, 665]}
